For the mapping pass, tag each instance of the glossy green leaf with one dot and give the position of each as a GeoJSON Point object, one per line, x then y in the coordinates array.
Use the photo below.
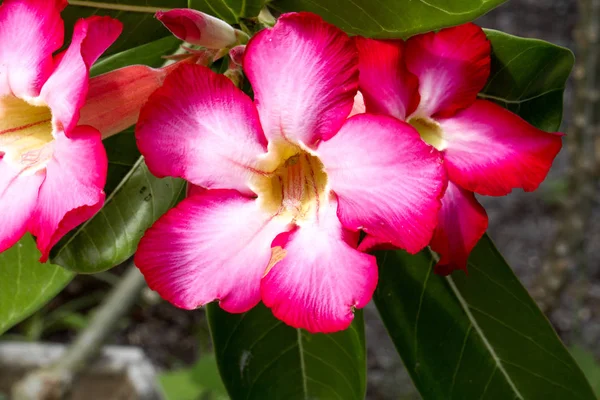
{"type": "Point", "coordinates": [260, 358]}
{"type": "Point", "coordinates": [137, 16]}
{"type": "Point", "coordinates": [229, 10]}
{"type": "Point", "coordinates": [391, 18]}
{"type": "Point", "coordinates": [25, 284]}
{"type": "Point", "coordinates": [135, 199]}
{"type": "Point", "coordinates": [150, 54]}
{"type": "Point", "coordinates": [479, 336]}
{"type": "Point", "coordinates": [589, 365]}
{"type": "Point", "coordinates": [528, 77]}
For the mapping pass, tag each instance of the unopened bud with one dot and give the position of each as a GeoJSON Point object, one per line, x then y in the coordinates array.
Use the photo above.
{"type": "Point", "coordinates": [198, 28]}
{"type": "Point", "coordinates": [237, 55]}
{"type": "Point", "coordinates": [114, 99]}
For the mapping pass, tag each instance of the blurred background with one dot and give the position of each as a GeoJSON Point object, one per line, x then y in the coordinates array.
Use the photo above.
{"type": "Point", "coordinates": [549, 237]}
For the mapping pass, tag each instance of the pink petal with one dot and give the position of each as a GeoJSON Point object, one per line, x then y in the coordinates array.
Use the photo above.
{"type": "Point", "coordinates": [452, 66]}
{"type": "Point", "coordinates": [359, 105]}
{"type": "Point", "coordinates": [66, 89]}
{"type": "Point", "coordinates": [236, 55]}
{"type": "Point", "coordinates": [213, 245]}
{"type": "Point", "coordinates": [490, 150]}
{"type": "Point", "coordinates": [200, 127]}
{"type": "Point", "coordinates": [114, 99]}
{"type": "Point", "coordinates": [386, 84]}
{"type": "Point", "coordinates": [304, 74]}
{"type": "Point", "coordinates": [387, 180]}
{"type": "Point", "coordinates": [30, 31]}
{"type": "Point", "coordinates": [198, 28]}
{"type": "Point", "coordinates": [462, 222]}
{"type": "Point", "coordinates": [73, 189]}
{"type": "Point", "coordinates": [18, 195]}
{"type": "Point", "coordinates": [322, 278]}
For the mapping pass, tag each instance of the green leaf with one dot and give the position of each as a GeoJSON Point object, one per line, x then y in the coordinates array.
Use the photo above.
{"type": "Point", "coordinates": [229, 10]}
{"type": "Point", "coordinates": [528, 77]}
{"type": "Point", "coordinates": [135, 199]}
{"type": "Point", "coordinates": [391, 18]}
{"type": "Point", "coordinates": [473, 337]}
{"type": "Point", "coordinates": [112, 235]}
{"type": "Point", "coordinates": [137, 16]}
{"type": "Point", "coordinates": [150, 54]}
{"type": "Point", "coordinates": [260, 357]}
{"type": "Point", "coordinates": [589, 365]}
{"type": "Point", "coordinates": [25, 284]}
{"type": "Point", "coordinates": [201, 381]}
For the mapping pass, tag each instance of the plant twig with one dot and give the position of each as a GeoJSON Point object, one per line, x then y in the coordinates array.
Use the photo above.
{"type": "Point", "coordinates": [54, 382]}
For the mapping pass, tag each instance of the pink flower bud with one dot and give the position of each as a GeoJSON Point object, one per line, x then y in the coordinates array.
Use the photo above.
{"type": "Point", "coordinates": [237, 54]}
{"type": "Point", "coordinates": [114, 99]}
{"type": "Point", "coordinates": [198, 28]}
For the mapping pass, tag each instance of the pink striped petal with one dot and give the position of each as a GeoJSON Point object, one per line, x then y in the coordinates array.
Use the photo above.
{"type": "Point", "coordinates": [462, 222]}
{"type": "Point", "coordinates": [490, 151]}
{"type": "Point", "coordinates": [388, 182]}
{"type": "Point", "coordinates": [321, 278]}
{"type": "Point", "coordinates": [18, 195]}
{"type": "Point", "coordinates": [452, 66]}
{"type": "Point", "coordinates": [73, 189]}
{"type": "Point", "coordinates": [386, 84]}
{"type": "Point", "coordinates": [213, 246]}
{"type": "Point", "coordinates": [200, 127]}
{"type": "Point", "coordinates": [30, 31]}
{"type": "Point", "coordinates": [304, 74]}
{"type": "Point", "coordinates": [67, 87]}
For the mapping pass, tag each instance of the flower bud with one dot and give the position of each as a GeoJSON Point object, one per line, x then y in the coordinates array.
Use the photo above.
{"type": "Point", "coordinates": [237, 54]}
{"type": "Point", "coordinates": [114, 99]}
{"type": "Point", "coordinates": [198, 28]}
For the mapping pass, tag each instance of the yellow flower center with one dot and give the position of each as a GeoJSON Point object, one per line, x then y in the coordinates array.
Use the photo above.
{"type": "Point", "coordinates": [25, 134]}
{"type": "Point", "coordinates": [297, 186]}
{"type": "Point", "coordinates": [430, 131]}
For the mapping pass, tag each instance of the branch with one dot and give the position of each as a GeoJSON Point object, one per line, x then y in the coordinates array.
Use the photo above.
{"type": "Point", "coordinates": [54, 382]}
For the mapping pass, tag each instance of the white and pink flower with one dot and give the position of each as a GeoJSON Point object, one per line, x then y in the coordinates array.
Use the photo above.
{"type": "Point", "coordinates": [52, 172]}
{"type": "Point", "coordinates": [284, 183]}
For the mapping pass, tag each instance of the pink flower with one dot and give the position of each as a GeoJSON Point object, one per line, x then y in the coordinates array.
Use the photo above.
{"type": "Point", "coordinates": [432, 81]}
{"type": "Point", "coordinates": [51, 171]}
{"type": "Point", "coordinates": [285, 182]}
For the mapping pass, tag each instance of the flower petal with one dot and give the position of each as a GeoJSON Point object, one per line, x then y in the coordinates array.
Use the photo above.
{"type": "Point", "coordinates": [213, 245]}
{"type": "Point", "coordinates": [73, 189]}
{"type": "Point", "coordinates": [18, 195]}
{"type": "Point", "coordinates": [359, 105]}
{"type": "Point", "coordinates": [321, 278]}
{"type": "Point", "coordinates": [200, 127]}
{"type": "Point", "coordinates": [452, 66]}
{"type": "Point", "coordinates": [386, 84]}
{"type": "Point", "coordinates": [67, 87]}
{"type": "Point", "coordinates": [198, 28]}
{"type": "Point", "coordinates": [490, 151]}
{"type": "Point", "coordinates": [30, 31]}
{"type": "Point", "coordinates": [304, 74]}
{"type": "Point", "coordinates": [388, 182]}
{"type": "Point", "coordinates": [462, 222]}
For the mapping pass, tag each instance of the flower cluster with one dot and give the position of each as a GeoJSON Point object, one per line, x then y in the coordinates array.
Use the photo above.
{"type": "Point", "coordinates": [347, 145]}
{"type": "Point", "coordinates": [343, 136]}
